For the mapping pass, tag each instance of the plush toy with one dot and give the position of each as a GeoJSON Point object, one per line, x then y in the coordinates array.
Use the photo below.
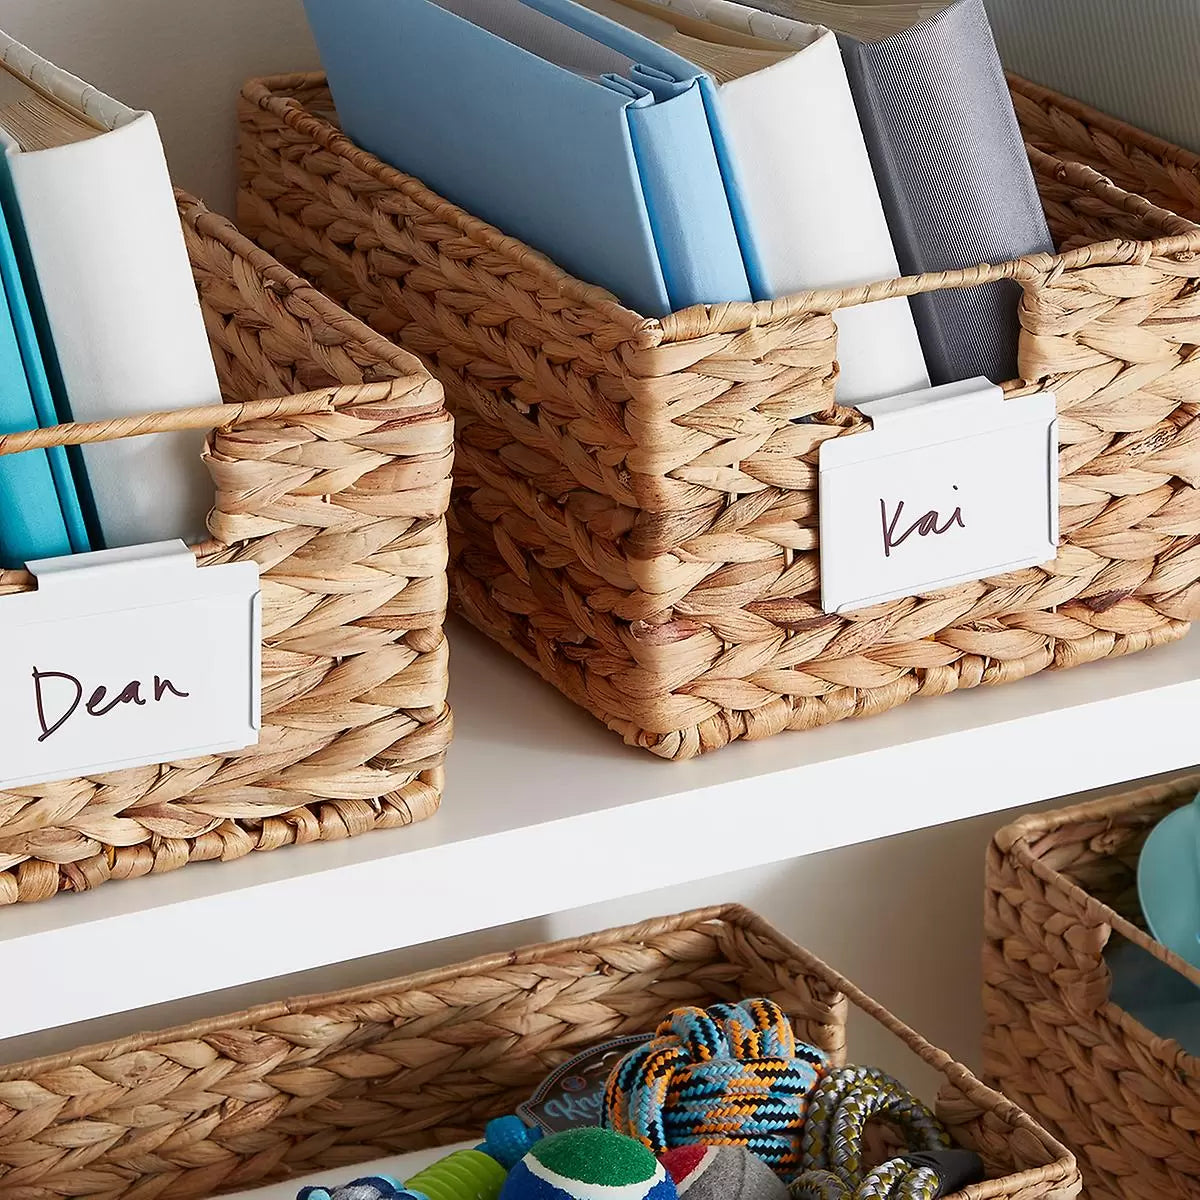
{"type": "Point", "coordinates": [721, 1173]}
{"type": "Point", "coordinates": [588, 1164]}
{"type": "Point", "coordinates": [730, 1075]}
{"type": "Point", "coordinates": [370, 1187]}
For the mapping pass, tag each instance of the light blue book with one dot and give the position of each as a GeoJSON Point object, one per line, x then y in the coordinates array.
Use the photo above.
{"type": "Point", "coordinates": [582, 138]}
{"type": "Point", "coordinates": [40, 515]}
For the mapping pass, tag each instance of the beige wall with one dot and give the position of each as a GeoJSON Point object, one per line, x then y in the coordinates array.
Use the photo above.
{"type": "Point", "coordinates": [182, 59]}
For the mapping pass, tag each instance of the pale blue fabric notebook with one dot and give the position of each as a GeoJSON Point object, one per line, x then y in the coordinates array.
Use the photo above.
{"type": "Point", "coordinates": [40, 515]}
{"type": "Point", "coordinates": [597, 149]}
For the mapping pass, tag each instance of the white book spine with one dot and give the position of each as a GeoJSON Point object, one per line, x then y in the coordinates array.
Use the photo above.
{"type": "Point", "coordinates": [811, 194]}
{"type": "Point", "coordinates": [107, 248]}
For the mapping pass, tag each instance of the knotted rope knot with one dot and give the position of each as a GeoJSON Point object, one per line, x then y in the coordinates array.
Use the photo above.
{"type": "Point", "coordinates": [731, 1075]}
{"type": "Point", "coordinates": [834, 1140]}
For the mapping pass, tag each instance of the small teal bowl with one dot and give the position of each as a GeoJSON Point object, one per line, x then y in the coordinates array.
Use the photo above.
{"type": "Point", "coordinates": [1169, 882]}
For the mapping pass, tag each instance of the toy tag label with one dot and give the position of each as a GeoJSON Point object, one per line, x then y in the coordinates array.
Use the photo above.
{"type": "Point", "coordinates": [572, 1095]}
{"type": "Point", "coordinates": [125, 658]}
{"type": "Point", "coordinates": [952, 484]}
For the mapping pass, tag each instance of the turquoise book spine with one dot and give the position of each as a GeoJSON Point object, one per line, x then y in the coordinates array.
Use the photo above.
{"type": "Point", "coordinates": [41, 514]}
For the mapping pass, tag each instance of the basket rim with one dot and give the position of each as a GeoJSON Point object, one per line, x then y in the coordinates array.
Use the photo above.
{"type": "Point", "coordinates": [532, 952]}
{"type": "Point", "coordinates": [282, 280]}
{"type": "Point", "coordinates": [1181, 238]}
{"type": "Point", "coordinates": [1115, 127]}
{"type": "Point", "coordinates": [1015, 841]}
{"type": "Point", "coordinates": [410, 373]}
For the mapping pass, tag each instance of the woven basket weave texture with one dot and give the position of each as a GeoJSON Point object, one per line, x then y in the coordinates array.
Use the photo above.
{"type": "Point", "coordinates": [1060, 885]}
{"type": "Point", "coordinates": [1135, 160]}
{"type": "Point", "coordinates": [338, 490]}
{"type": "Point", "coordinates": [324, 1083]}
{"type": "Point", "coordinates": [635, 511]}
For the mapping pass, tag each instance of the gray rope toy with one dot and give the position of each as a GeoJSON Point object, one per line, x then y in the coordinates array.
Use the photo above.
{"type": "Point", "coordinates": [839, 1111]}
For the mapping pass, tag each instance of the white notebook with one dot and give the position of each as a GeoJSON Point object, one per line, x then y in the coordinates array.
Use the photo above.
{"type": "Point", "coordinates": [104, 240]}
{"type": "Point", "coordinates": [804, 172]}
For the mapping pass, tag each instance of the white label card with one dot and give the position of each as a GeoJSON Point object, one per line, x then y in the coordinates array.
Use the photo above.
{"type": "Point", "coordinates": [124, 658]}
{"type": "Point", "coordinates": [952, 484]}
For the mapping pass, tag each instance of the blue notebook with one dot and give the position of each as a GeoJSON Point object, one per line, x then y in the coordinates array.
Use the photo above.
{"type": "Point", "coordinates": [40, 515]}
{"type": "Point", "coordinates": [596, 149]}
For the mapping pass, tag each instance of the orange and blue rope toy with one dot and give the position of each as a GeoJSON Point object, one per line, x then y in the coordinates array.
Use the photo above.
{"type": "Point", "coordinates": [730, 1075]}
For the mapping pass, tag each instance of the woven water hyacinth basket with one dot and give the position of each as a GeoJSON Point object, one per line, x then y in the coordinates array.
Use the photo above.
{"type": "Point", "coordinates": [635, 512]}
{"type": "Point", "coordinates": [1060, 885]}
{"type": "Point", "coordinates": [338, 489]}
{"type": "Point", "coordinates": [326, 1082]}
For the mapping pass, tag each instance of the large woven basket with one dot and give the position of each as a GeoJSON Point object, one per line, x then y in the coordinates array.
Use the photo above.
{"type": "Point", "coordinates": [1059, 886]}
{"type": "Point", "coordinates": [635, 511]}
{"type": "Point", "coordinates": [338, 489]}
{"type": "Point", "coordinates": [330, 1081]}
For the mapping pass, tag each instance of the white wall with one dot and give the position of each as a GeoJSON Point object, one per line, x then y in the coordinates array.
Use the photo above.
{"type": "Point", "coordinates": [182, 59]}
{"type": "Point", "coordinates": [185, 59]}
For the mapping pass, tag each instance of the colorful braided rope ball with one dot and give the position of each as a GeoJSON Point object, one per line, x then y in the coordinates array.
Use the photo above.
{"type": "Point", "coordinates": [731, 1075]}
{"type": "Point", "coordinates": [588, 1164]}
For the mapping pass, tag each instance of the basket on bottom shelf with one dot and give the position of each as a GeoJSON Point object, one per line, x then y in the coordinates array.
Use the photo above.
{"type": "Point", "coordinates": [323, 1083]}
{"type": "Point", "coordinates": [339, 493]}
{"type": "Point", "coordinates": [1061, 888]}
{"type": "Point", "coordinates": [636, 501]}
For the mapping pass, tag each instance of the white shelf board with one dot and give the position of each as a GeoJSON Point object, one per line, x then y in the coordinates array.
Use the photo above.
{"type": "Point", "coordinates": [536, 787]}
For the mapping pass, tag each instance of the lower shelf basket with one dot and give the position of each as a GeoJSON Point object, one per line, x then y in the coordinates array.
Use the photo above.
{"type": "Point", "coordinates": [330, 1081]}
{"type": "Point", "coordinates": [338, 490]}
{"type": "Point", "coordinates": [1060, 886]}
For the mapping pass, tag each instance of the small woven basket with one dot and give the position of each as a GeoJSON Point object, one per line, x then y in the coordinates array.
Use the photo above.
{"type": "Point", "coordinates": [338, 489]}
{"type": "Point", "coordinates": [635, 512]}
{"type": "Point", "coordinates": [330, 1081]}
{"type": "Point", "coordinates": [1059, 885]}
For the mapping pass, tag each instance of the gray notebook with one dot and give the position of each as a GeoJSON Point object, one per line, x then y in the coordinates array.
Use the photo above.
{"type": "Point", "coordinates": [950, 163]}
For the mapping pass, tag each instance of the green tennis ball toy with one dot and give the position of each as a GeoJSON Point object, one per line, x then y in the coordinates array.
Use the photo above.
{"type": "Point", "coordinates": [589, 1164]}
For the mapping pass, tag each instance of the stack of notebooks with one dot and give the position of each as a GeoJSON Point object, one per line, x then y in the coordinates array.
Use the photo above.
{"type": "Point", "coordinates": [680, 152]}
{"type": "Point", "coordinates": [99, 318]}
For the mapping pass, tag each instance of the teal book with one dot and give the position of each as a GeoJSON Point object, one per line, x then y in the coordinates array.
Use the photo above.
{"type": "Point", "coordinates": [40, 512]}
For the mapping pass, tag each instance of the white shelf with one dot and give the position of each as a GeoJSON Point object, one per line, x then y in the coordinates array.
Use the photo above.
{"type": "Point", "coordinates": [535, 784]}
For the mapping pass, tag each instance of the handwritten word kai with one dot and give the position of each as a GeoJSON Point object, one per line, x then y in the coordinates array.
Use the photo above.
{"type": "Point", "coordinates": [59, 694]}
{"type": "Point", "coordinates": [928, 524]}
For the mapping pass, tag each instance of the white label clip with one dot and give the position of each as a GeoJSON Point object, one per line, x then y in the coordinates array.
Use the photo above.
{"type": "Point", "coordinates": [124, 658]}
{"type": "Point", "coordinates": [952, 484]}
